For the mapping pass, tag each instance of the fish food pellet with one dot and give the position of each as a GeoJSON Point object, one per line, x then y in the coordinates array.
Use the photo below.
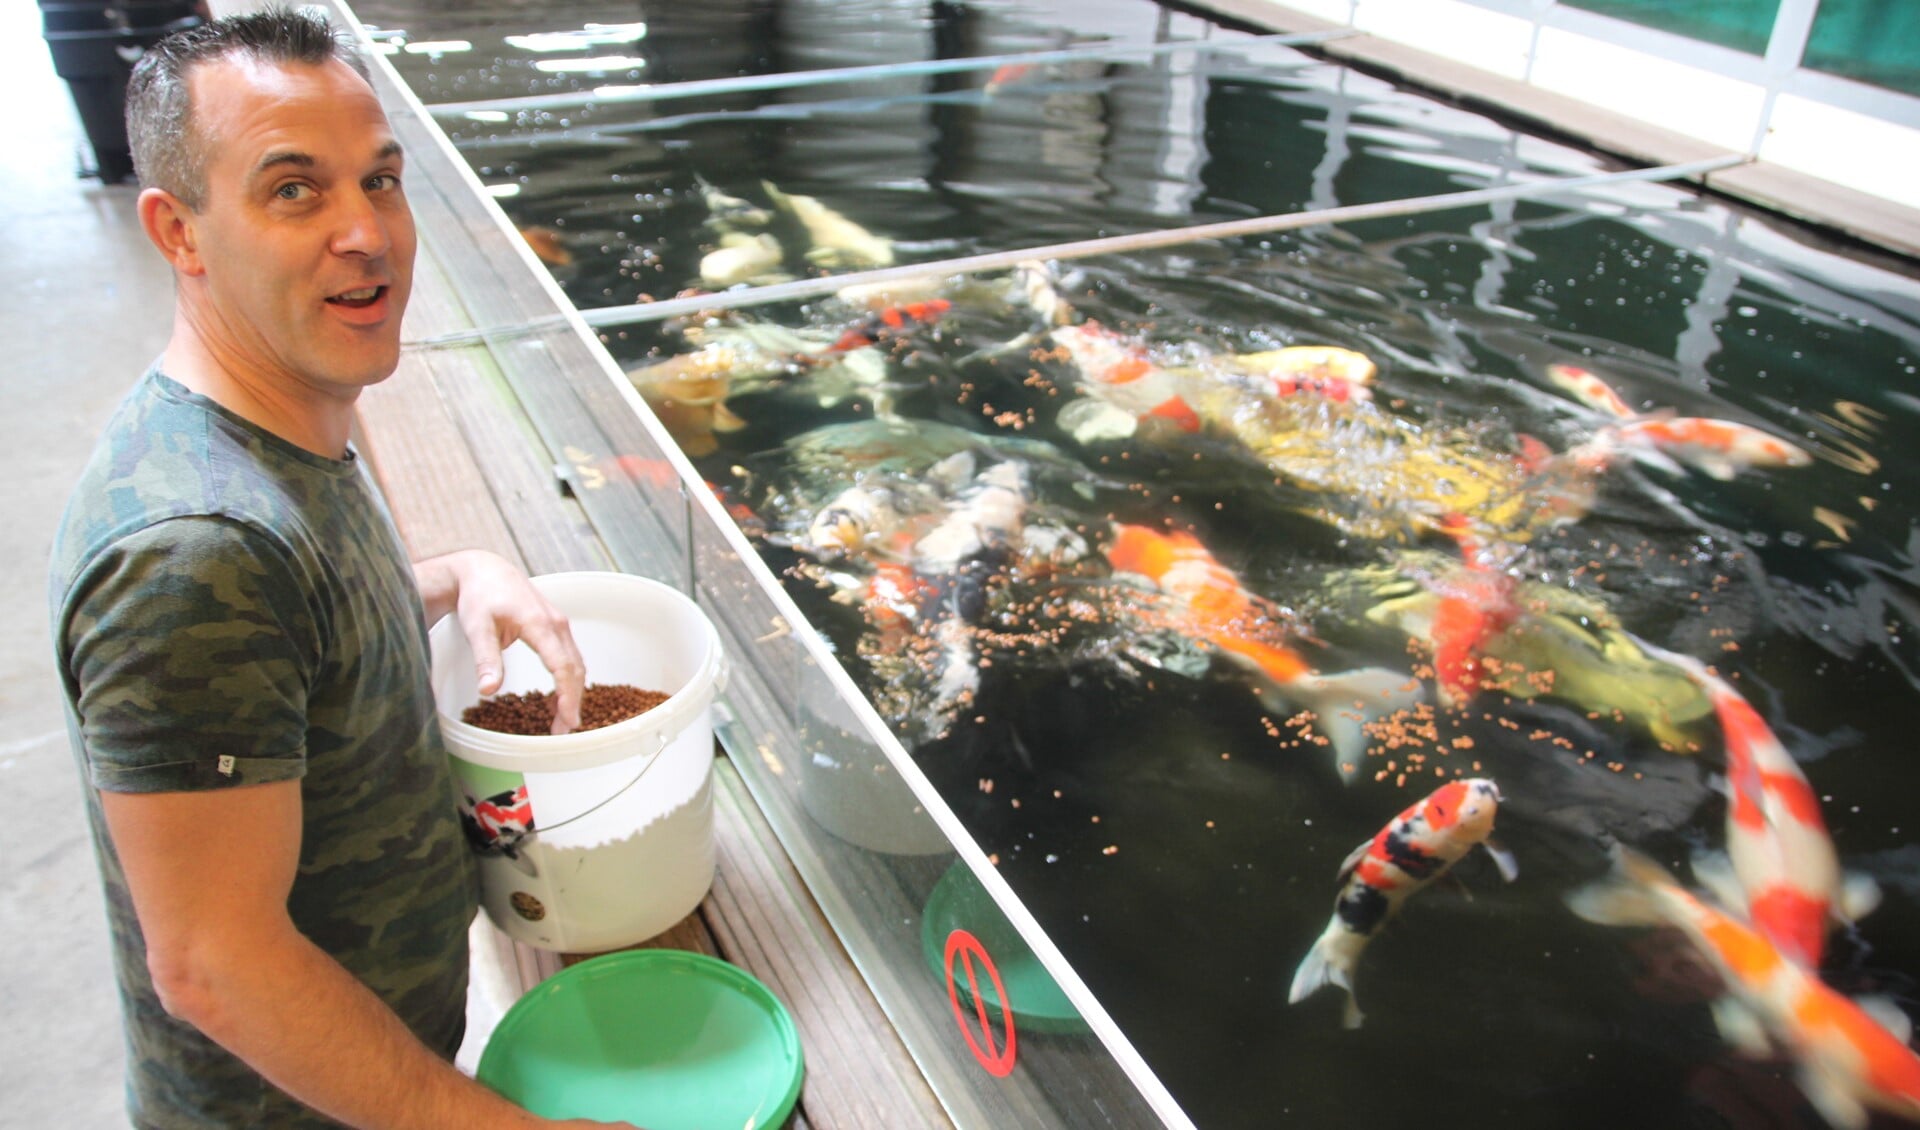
{"type": "Point", "coordinates": [532, 712]}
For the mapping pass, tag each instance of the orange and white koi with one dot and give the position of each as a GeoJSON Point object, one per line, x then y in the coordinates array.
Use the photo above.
{"type": "Point", "coordinates": [1415, 848]}
{"type": "Point", "coordinates": [1787, 874]}
{"type": "Point", "coordinates": [1717, 448]}
{"type": "Point", "coordinates": [887, 323]}
{"type": "Point", "coordinates": [1125, 386]}
{"type": "Point", "coordinates": [1214, 607]}
{"type": "Point", "coordinates": [1589, 389]}
{"type": "Point", "coordinates": [1847, 1060]}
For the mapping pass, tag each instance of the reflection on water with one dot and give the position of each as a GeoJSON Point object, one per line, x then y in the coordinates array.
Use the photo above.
{"type": "Point", "coordinates": [1130, 742]}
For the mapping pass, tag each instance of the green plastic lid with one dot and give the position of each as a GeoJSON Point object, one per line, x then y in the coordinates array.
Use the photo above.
{"type": "Point", "coordinates": [664, 1039]}
{"type": "Point", "coordinates": [960, 902]}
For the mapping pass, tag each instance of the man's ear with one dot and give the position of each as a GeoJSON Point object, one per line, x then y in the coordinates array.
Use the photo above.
{"type": "Point", "coordinates": [170, 224]}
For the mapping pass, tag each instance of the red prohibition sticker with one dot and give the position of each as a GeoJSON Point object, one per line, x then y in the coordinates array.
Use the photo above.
{"type": "Point", "coordinates": [965, 958]}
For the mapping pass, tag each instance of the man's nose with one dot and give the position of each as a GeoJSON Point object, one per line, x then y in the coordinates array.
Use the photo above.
{"type": "Point", "coordinates": [362, 227]}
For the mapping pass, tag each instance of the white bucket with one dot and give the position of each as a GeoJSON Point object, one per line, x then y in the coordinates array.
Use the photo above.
{"type": "Point", "coordinates": [621, 841]}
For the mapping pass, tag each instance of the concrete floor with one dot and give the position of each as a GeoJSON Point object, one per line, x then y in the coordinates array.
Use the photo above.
{"type": "Point", "coordinates": [92, 307]}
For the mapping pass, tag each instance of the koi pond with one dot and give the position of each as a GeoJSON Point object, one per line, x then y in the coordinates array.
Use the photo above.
{"type": "Point", "coordinates": [1184, 569]}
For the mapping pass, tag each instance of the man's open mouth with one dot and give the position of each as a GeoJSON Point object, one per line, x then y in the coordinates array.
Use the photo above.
{"type": "Point", "coordinates": [356, 299]}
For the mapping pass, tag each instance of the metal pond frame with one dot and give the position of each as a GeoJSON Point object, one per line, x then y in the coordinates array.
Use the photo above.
{"type": "Point", "coordinates": [789, 702]}
{"type": "Point", "coordinates": [1770, 106]}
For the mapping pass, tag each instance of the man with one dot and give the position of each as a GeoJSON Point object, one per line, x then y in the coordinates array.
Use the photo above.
{"type": "Point", "coordinates": [243, 642]}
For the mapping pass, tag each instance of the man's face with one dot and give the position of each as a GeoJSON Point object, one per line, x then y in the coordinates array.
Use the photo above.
{"type": "Point", "coordinates": [304, 235]}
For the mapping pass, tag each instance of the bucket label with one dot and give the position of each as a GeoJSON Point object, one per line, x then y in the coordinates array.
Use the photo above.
{"type": "Point", "coordinates": [497, 823]}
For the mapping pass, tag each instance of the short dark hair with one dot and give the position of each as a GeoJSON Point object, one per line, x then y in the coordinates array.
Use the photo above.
{"type": "Point", "coordinates": [169, 152]}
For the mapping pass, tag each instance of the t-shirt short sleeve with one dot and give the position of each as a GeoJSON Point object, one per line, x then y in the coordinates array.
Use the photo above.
{"type": "Point", "coordinates": [192, 645]}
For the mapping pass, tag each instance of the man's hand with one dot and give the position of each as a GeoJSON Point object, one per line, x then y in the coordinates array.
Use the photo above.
{"type": "Point", "coordinates": [497, 605]}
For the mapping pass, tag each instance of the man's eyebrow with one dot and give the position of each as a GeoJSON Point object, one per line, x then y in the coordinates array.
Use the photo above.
{"type": "Point", "coordinates": [275, 158]}
{"type": "Point", "coordinates": [279, 157]}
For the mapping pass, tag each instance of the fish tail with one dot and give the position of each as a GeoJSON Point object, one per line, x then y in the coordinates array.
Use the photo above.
{"type": "Point", "coordinates": [1347, 703]}
{"type": "Point", "coordinates": [1331, 961]}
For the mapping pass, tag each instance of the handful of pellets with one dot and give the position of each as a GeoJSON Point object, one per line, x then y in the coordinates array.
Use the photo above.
{"type": "Point", "coordinates": [531, 712]}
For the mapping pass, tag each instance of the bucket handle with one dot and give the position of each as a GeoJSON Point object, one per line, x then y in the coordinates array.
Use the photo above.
{"type": "Point", "coordinates": [509, 845]}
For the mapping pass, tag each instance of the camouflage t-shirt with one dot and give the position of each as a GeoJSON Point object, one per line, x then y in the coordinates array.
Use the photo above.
{"type": "Point", "coordinates": [230, 609]}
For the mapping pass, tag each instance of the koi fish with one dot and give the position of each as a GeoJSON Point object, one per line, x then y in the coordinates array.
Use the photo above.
{"type": "Point", "coordinates": [988, 514]}
{"type": "Point", "coordinates": [1559, 644]}
{"type": "Point", "coordinates": [688, 393]}
{"type": "Point", "coordinates": [1720, 449]}
{"type": "Point", "coordinates": [1004, 75]}
{"type": "Point", "coordinates": [1415, 848]}
{"type": "Point", "coordinates": [1327, 371]}
{"type": "Point", "coordinates": [1589, 389]}
{"type": "Point", "coordinates": [743, 258]}
{"type": "Point", "coordinates": [548, 246]}
{"type": "Point", "coordinates": [1126, 388]}
{"type": "Point", "coordinates": [1033, 284]}
{"type": "Point", "coordinates": [730, 213]}
{"type": "Point", "coordinates": [1477, 603]}
{"type": "Point", "coordinates": [1216, 608]}
{"type": "Point", "coordinates": [886, 323]}
{"type": "Point", "coordinates": [838, 243]}
{"type": "Point", "coordinates": [1848, 1061]}
{"type": "Point", "coordinates": [1785, 870]}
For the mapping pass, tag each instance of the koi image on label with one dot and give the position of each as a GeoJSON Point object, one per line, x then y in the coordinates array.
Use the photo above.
{"type": "Point", "coordinates": [498, 822]}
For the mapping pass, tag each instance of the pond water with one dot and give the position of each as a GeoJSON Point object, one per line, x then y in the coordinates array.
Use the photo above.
{"type": "Point", "coordinates": [1178, 835]}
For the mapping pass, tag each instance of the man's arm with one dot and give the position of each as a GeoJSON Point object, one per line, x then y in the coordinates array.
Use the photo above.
{"type": "Point", "coordinates": [497, 605]}
{"type": "Point", "coordinates": [209, 873]}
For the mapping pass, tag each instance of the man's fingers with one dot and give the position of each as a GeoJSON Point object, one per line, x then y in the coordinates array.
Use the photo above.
{"type": "Point", "coordinates": [553, 643]}
{"type": "Point", "coordinates": [485, 644]}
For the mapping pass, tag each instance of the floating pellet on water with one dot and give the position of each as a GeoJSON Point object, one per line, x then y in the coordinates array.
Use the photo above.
{"type": "Point", "coordinates": [1096, 819]}
{"type": "Point", "coordinates": [986, 784]}
{"type": "Point", "coordinates": [1110, 849]}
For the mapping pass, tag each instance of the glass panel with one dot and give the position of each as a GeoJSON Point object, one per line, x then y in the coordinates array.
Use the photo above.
{"type": "Point", "coordinates": [1876, 41]}
{"type": "Point", "coordinates": [1169, 803]}
{"type": "Point", "coordinates": [1744, 25]}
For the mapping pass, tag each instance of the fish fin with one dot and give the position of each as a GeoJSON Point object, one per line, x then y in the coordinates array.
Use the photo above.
{"type": "Point", "coordinates": [1502, 859]}
{"type": "Point", "coordinates": [1716, 467]}
{"type": "Point", "coordinates": [1714, 871]}
{"type": "Point", "coordinates": [1859, 896]}
{"type": "Point", "coordinates": [726, 420]}
{"type": "Point", "coordinates": [1347, 702]}
{"type": "Point", "coordinates": [951, 473]}
{"type": "Point", "coordinates": [1352, 861]}
{"type": "Point", "coordinates": [1352, 1018]}
{"type": "Point", "coordinates": [1018, 342]}
{"type": "Point", "coordinates": [1841, 1110]}
{"type": "Point", "coordinates": [1615, 901]}
{"type": "Point", "coordinates": [1741, 1029]}
{"type": "Point", "coordinates": [1088, 420]}
{"type": "Point", "coordinates": [1887, 1014]}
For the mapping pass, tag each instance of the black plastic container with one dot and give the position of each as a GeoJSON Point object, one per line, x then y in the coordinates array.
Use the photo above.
{"type": "Point", "coordinates": [94, 48]}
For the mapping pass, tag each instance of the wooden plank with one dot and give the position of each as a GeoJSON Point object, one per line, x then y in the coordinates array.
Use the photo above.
{"type": "Point", "coordinates": [422, 465]}
{"type": "Point", "coordinates": [859, 1074]}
